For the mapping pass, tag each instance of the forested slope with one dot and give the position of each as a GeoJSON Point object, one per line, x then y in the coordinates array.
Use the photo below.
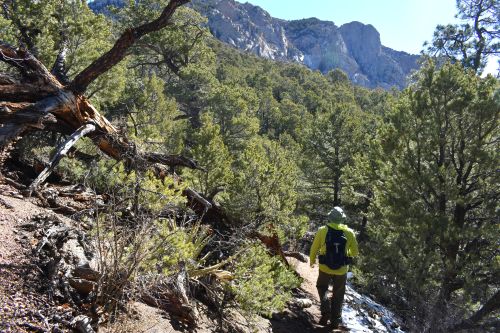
{"type": "Point", "coordinates": [208, 165]}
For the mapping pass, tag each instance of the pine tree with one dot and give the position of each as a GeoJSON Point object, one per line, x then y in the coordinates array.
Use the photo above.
{"type": "Point", "coordinates": [436, 195]}
{"type": "Point", "coordinates": [473, 41]}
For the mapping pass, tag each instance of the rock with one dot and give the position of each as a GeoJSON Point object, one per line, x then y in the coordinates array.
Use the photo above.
{"type": "Point", "coordinates": [87, 273]}
{"type": "Point", "coordinates": [240, 323]}
{"type": "Point", "coordinates": [355, 48]}
{"type": "Point", "coordinates": [74, 252]}
{"type": "Point", "coordinates": [82, 286]}
{"type": "Point", "coordinates": [81, 324]}
{"type": "Point", "coordinates": [56, 329]}
{"type": "Point", "coordinates": [303, 302]}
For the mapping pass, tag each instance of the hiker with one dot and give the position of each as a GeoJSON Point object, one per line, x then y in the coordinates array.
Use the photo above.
{"type": "Point", "coordinates": [336, 245]}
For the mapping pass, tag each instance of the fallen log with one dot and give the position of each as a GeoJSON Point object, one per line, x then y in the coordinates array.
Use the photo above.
{"type": "Point", "coordinates": [24, 92]}
{"type": "Point", "coordinates": [67, 103]}
{"type": "Point", "coordinates": [7, 79]}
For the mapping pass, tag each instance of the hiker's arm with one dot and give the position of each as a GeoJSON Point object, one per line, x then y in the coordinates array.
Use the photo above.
{"type": "Point", "coordinates": [314, 250]}
{"type": "Point", "coordinates": [353, 250]}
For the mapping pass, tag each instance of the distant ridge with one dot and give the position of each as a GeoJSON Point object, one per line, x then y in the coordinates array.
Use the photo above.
{"type": "Point", "coordinates": [354, 47]}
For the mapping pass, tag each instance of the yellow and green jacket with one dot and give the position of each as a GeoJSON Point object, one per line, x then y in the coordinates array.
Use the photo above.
{"type": "Point", "coordinates": [319, 247]}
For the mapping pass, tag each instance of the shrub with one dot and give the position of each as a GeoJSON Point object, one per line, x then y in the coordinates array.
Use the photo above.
{"type": "Point", "coordinates": [262, 282]}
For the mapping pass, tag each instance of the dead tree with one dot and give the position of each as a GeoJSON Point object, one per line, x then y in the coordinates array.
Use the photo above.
{"type": "Point", "coordinates": [43, 100]}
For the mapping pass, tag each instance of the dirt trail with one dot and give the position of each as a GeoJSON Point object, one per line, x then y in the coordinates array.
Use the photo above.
{"type": "Point", "coordinates": [309, 275]}
{"type": "Point", "coordinates": [297, 319]}
{"type": "Point", "coordinates": [22, 306]}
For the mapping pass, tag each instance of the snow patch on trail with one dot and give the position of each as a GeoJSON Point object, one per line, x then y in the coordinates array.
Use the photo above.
{"type": "Point", "coordinates": [361, 314]}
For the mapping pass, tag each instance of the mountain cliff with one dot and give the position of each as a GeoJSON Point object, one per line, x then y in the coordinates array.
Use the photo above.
{"type": "Point", "coordinates": [354, 48]}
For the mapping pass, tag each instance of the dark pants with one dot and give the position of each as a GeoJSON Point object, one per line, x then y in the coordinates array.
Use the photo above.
{"type": "Point", "coordinates": [333, 310]}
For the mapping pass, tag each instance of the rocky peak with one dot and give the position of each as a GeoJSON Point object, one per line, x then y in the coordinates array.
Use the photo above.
{"type": "Point", "coordinates": [246, 27]}
{"type": "Point", "coordinates": [361, 38]}
{"type": "Point", "coordinates": [321, 45]}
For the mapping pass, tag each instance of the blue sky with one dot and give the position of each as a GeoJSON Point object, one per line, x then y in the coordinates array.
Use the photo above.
{"type": "Point", "coordinates": [404, 25]}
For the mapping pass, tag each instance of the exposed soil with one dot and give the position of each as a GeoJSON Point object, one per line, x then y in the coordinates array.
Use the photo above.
{"type": "Point", "coordinates": [296, 319]}
{"type": "Point", "coordinates": [26, 305]}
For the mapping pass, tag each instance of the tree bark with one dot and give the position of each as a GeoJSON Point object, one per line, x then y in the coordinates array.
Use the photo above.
{"type": "Point", "coordinates": [491, 305]}
{"type": "Point", "coordinates": [24, 92]}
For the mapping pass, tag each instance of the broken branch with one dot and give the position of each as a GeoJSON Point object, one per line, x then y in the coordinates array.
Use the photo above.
{"type": "Point", "coordinates": [24, 92]}
{"type": "Point", "coordinates": [25, 61]}
{"type": "Point", "coordinates": [61, 152]}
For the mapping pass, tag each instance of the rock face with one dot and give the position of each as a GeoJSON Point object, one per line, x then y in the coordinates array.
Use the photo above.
{"type": "Point", "coordinates": [321, 45]}
{"type": "Point", "coordinates": [354, 47]}
{"type": "Point", "coordinates": [249, 28]}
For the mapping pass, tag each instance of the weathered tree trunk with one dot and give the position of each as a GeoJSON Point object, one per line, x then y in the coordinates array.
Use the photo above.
{"type": "Point", "coordinates": [493, 304]}
{"type": "Point", "coordinates": [43, 99]}
{"type": "Point", "coordinates": [43, 102]}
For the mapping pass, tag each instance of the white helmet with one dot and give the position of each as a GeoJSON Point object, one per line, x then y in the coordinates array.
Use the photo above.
{"type": "Point", "coordinates": [337, 215]}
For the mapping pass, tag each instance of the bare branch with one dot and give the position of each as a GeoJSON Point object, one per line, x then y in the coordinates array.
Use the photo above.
{"type": "Point", "coordinates": [119, 50]}
{"type": "Point", "coordinates": [171, 160]}
{"type": "Point", "coordinates": [16, 118]}
{"type": "Point", "coordinates": [59, 67]}
{"type": "Point", "coordinates": [61, 152]}
{"type": "Point", "coordinates": [26, 62]}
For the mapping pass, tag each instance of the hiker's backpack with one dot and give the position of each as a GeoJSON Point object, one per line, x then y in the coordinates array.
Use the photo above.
{"type": "Point", "coordinates": [335, 256]}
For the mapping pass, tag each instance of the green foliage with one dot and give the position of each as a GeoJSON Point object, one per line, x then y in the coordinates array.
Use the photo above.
{"type": "Point", "coordinates": [172, 245]}
{"type": "Point", "coordinates": [436, 181]}
{"type": "Point", "coordinates": [46, 27]}
{"type": "Point", "coordinates": [152, 116]}
{"type": "Point", "coordinates": [265, 188]}
{"type": "Point", "coordinates": [213, 155]}
{"type": "Point", "coordinates": [337, 134]}
{"type": "Point", "coordinates": [262, 283]}
{"type": "Point", "coordinates": [169, 50]}
{"type": "Point", "coordinates": [233, 109]}
{"type": "Point", "coordinates": [78, 171]}
{"type": "Point", "coordinates": [147, 190]}
{"type": "Point", "coordinates": [140, 189]}
{"type": "Point", "coordinates": [30, 23]}
{"type": "Point", "coordinates": [474, 40]}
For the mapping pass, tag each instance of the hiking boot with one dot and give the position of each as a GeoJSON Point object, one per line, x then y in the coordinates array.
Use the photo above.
{"type": "Point", "coordinates": [335, 323]}
{"type": "Point", "coordinates": [339, 329]}
{"type": "Point", "coordinates": [323, 320]}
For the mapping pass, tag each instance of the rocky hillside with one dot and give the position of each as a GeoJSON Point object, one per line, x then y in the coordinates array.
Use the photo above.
{"type": "Point", "coordinates": [354, 47]}
{"type": "Point", "coordinates": [45, 272]}
{"type": "Point", "coordinates": [321, 45]}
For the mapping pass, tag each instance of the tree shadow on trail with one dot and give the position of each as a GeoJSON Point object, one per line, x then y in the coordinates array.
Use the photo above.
{"type": "Point", "coordinates": [296, 319]}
